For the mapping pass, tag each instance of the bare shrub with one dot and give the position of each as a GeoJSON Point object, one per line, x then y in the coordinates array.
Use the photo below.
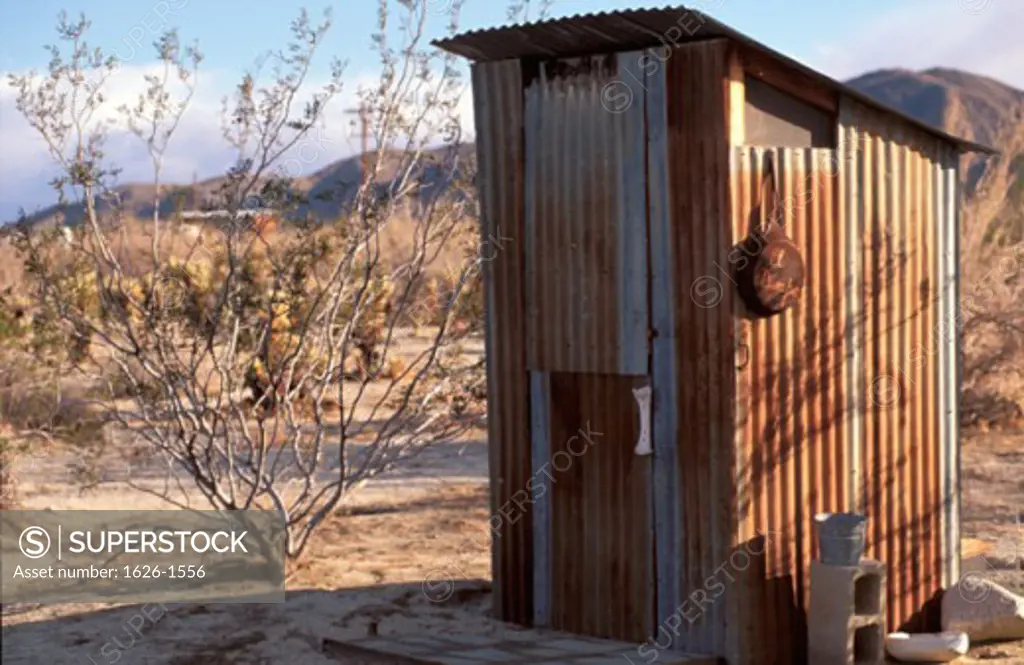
{"type": "Point", "coordinates": [991, 322]}
{"type": "Point", "coordinates": [230, 355]}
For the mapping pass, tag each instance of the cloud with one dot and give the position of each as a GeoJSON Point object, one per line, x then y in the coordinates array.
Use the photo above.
{"type": "Point", "coordinates": [197, 149]}
{"type": "Point", "coordinates": [978, 36]}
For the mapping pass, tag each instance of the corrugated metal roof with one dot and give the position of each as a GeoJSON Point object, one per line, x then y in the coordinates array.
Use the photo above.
{"type": "Point", "coordinates": [634, 29]}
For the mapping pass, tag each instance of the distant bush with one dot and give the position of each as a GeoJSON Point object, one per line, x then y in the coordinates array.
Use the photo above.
{"type": "Point", "coordinates": [8, 484]}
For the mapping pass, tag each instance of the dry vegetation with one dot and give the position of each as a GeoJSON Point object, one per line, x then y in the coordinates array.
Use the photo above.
{"type": "Point", "coordinates": [353, 343]}
{"type": "Point", "coordinates": [992, 293]}
{"type": "Point", "coordinates": [263, 359]}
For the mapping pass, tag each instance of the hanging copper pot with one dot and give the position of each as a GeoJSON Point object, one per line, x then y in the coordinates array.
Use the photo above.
{"type": "Point", "coordinates": [771, 279]}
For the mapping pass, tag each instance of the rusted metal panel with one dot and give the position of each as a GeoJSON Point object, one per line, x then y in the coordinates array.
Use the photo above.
{"type": "Point", "coordinates": [884, 259]}
{"type": "Point", "coordinates": [587, 303]}
{"type": "Point", "coordinates": [800, 412]}
{"type": "Point", "coordinates": [697, 82]}
{"type": "Point", "coordinates": [497, 92]}
{"type": "Point", "coordinates": [602, 550]}
{"type": "Point", "coordinates": [586, 238]}
{"type": "Point", "coordinates": [793, 390]}
{"type": "Point", "coordinates": [906, 386]}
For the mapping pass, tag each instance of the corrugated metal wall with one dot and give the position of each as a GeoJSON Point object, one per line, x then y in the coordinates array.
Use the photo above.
{"type": "Point", "coordinates": [792, 457]}
{"type": "Point", "coordinates": [700, 238]}
{"type": "Point", "coordinates": [601, 538]}
{"type": "Point", "coordinates": [587, 304]}
{"type": "Point", "coordinates": [498, 105]}
{"type": "Point", "coordinates": [845, 402]}
{"type": "Point", "coordinates": [903, 205]}
{"type": "Point", "coordinates": [586, 238]}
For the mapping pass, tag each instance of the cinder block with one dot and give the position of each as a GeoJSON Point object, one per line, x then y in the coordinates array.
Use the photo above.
{"type": "Point", "coordinates": [846, 621]}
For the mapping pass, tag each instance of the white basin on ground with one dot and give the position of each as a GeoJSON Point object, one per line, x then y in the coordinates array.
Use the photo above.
{"type": "Point", "coordinates": [927, 647]}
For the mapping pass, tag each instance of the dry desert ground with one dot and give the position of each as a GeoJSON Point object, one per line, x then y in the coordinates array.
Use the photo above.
{"type": "Point", "coordinates": [427, 519]}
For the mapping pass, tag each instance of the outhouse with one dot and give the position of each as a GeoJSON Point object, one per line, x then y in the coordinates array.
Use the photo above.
{"type": "Point", "coordinates": [636, 165]}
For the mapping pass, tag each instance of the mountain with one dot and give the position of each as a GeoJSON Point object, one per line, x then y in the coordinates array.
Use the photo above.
{"type": "Point", "coordinates": [980, 109]}
{"type": "Point", "coordinates": [974, 107]}
{"type": "Point", "coordinates": [327, 191]}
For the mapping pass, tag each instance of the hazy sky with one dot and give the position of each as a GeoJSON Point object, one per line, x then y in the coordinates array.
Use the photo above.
{"type": "Point", "coordinates": [841, 39]}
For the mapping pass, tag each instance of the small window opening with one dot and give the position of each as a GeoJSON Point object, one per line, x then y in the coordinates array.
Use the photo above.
{"type": "Point", "coordinates": [775, 118]}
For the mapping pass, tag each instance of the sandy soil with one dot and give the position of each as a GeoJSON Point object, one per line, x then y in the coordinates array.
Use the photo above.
{"type": "Point", "coordinates": [365, 573]}
{"type": "Point", "coordinates": [993, 513]}
{"type": "Point", "coordinates": [426, 521]}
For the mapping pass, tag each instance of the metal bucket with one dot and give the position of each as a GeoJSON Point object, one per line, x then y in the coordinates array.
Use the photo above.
{"type": "Point", "coordinates": [840, 538]}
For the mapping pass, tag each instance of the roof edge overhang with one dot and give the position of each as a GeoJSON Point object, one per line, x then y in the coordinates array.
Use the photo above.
{"type": "Point", "coordinates": [539, 40]}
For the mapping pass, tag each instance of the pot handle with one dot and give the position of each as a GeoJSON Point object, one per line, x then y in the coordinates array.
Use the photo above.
{"type": "Point", "coordinates": [768, 205]}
